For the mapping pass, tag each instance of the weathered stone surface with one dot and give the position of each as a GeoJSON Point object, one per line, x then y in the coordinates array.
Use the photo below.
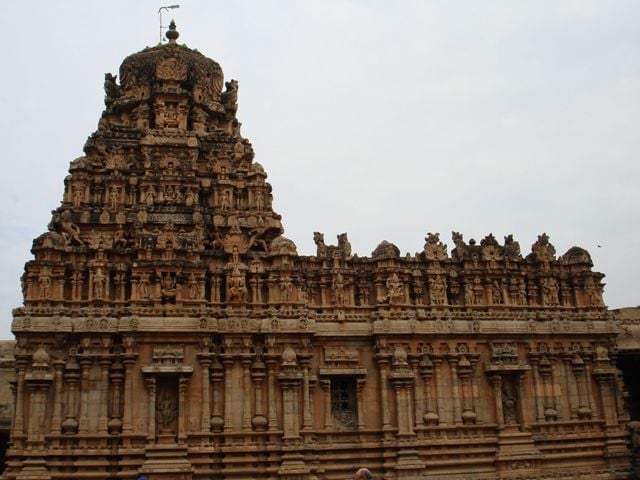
{"type": "Point", "coordinates": [170, 330]}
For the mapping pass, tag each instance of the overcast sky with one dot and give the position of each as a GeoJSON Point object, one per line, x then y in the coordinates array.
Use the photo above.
{"type": "Point", "coordinates": [383, 119]}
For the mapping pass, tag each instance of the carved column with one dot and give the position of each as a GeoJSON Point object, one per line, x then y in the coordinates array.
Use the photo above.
{"type": "Point", "coordinates": [205, 407]}
{"type": "Point", "coordinates": [182, 409]}
{"type": "Point", "coordinates": [83, 423]}
{"type": "Point", "coordinates": [117, 377]}
{"type": "Point", "coordinates": [217, 376]}
{"type": "Point", "coordinates": [572, 393]}
{"type": "Point", "coordinates": [583, 404]}
{"type": "Point", "coordinates": [246, 397]}
{"type": "Point", "coordinates": [127, 419]}
{"type": "Point", "coordinates": [227, 362]}
{"type": "Point", "coordinates": [540, 399]}
{"type": "Point", "coordinates": [427, 372]}
{"type": "Point", "coordinates": [70, 424]}
{"type": "Point", "coordinates": [418, 398]}
{"type": "Point", "coordinates": [56, 419]}
{"type": "Point", "coordinates": [383, 365]}
{"type": "Point", "coordinates": [258, 374]}
{"type": "Point", "coordinates": [361, 404]}
{"type": "Point", "coordinates": [439, 397]}
{"type": "Point", "coordinates": [326, 390]}
{"type": "Point", "coordinates": [151, 421]}
{"type": "Point", "coordinates": [18, 414]}
{"type": "Point", "coordinates": [290, 379]}
{"type": "Point", "coordinates": [465, 371]}
{"type": "Point", "coordinates": [587, 379]}
{"type": "Point", "coordinates": [272, 413]}
{"type": "Point", "coordinates": [496, 381]}
{"type": "Point", "coordinates": [455, 390]}
{"type": "Point", "coordinates": [306, 404]}
{"type": "Point", "coordinates": [608, 403]}
{"type": "Point", "coordinates": [103, 418]}
{"type": "Point", "coordinates": [550, 413]}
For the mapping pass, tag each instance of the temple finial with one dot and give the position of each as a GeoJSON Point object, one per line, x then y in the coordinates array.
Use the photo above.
{"type": "Point", "coordinates": [172, 34]}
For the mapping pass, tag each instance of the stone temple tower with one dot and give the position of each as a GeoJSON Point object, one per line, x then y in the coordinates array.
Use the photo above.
{"type": "Point", "coordinates": [170, 330]}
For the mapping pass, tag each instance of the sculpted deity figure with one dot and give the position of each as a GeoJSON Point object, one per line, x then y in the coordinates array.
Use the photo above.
{"type": "Point", "coordinates": [225, 202]}
{"type": "Point", "coordinates": [259, 200]}
{"type": "Point", "coordinates": [44, 282]}
{"type": "Point", "coordinates": [511, 248]}
{"type": "Point", "coordinates": [437, 290]}
{"type": "Point", "coordinates": [168, 289]}
{"type": "Point", "coordinates": [591, 293]}
{"type": "Point", "coordinates": [111, 89]}
{"type": "Point", "coordinates": [469, 297]}
{"type": "Point", "coordinates": [237, 287]}
{"type": "Point", "coordinates": [119, 238]}
{"type": "Point", "coordinates": [286, 287]}
{"type": "Point", "coordinates": [98, 283]}
{"type": "Point", "coordinates": [143, 286]}
{"type": "Point", "coordinates": [395, 292]}
{"type": "Point", "coordinates": [114, 197]}
{"type": "Point", "coordinates": [149, 196]}
{"type": "Point", "coordinates": [522, 293]}
{"type": "Point", "coordinates": [78, 194]}
{"type": "Point", "coordinates": [549, 292]}
{"type": "Point", "coordinates": [69, 230]}
{"type": "Point", "coordinates": [509, 403]}
{"type": "Point", "coordinates": [194, 290]}
{"type": "Point", "coordinates": [496, 293]}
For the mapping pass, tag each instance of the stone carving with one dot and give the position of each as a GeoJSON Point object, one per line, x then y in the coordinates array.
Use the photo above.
{"type": "Point", "coordinates": [542, 250]}
{"type": "Point", "coordinates": [321, 248]}
{"type": "Point", "coordinates": [69, 230]}
{"type": "Point", "coordinates": [385, 250]}
{"type": "Point", "coordinates": [230, 96]}
{"type": "Point", "coordinates": [434, 249]}
{"type": "Point", "coordinates": [395, 290]}
{"type": "Point", "coordinates": [511, 248]}
{"type": "Point", "coordinates": [437, 290]}
{"type": "Point", "coordinates": [168, 288]}
{"type": "Point", "coordinates": [237, 286]}
{"type": "Point", "coordinates": [344, 245]}
{"type": "Point", "coordinates": [550, 292]}
{"type": "Point", "coordinates": [509, 401]}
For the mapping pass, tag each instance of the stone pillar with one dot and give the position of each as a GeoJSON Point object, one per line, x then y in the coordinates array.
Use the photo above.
{"type": "Point", "coordinates": [103, 418]}
{"type": "Point", "coordinates": [362, 414]}
{"type": "Point", "coordinates": [496, 382]}
{"type": "Point", "coordinates": [587, 379]}
{"type": "Point", "coordinates": [228, 362]}
{"type": "Point", "coordinates": [439, 397]}
{"type": "Point", "coordinates": [151, 408]}
{"type": "Point", "coordinates": [56, 419]}
{"type": "Point", "coordinates": [465, 371]}
{"type": "Point", "coordinates": [326, 390]}
{"type": "Point", "coordinates": [205, 406]}
{"type": "Point", "coordinates": [578, 370]}
{"type": "Point", "coordinates": [83, 423]}
{"type": "Point", "coordinates": [290, 379]}
{"type": "Point", "coordinates": [70, 424]}
{"type": "Point", "coordinates": [117, 377]}
{"type": "Point", "coordinates": [457, 415]}
{"type": "Point", "coordinates": [258, 374]}
{"type": "Point", "coordinates": [127, 419]}
{"type": "Point", "coordinates": [427, 371]}
{"type": "Point", "coordinates": [572, 393]}
{"type": "Point", "coordinates": [306, 403]}
{"type": "Point", "coordinates": [606, 397]}
{"type": "Point", "coordinates": [383, 365]}
{"type": "Point", "coordinates": [272, 413]}
{"type": "Point", "coordinates": [18, 414]}
{"type": "Point", "coordinates": [182, 409]}
{"type": "Point", "coordinates": [246, 397]}
{"type": "Point", "coordinates": [418, 394]}
{"type": "Point", "coordinates": [550, 412]}
{"type": "Point", "coordinates": [540, 398]}
{"type": "Point", "coordinates": [217, 376]}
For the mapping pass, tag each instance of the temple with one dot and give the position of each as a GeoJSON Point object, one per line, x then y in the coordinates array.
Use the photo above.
{"type": "Point", "coordinates": [170, 330]}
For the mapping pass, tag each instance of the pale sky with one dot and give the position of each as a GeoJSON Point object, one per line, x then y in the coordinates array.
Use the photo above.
{"type": "Point", "coordinates": [383, 119]}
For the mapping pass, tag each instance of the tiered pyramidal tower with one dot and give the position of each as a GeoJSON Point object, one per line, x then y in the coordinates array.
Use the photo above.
{"type": "Point", "coordinates": [170, 330]}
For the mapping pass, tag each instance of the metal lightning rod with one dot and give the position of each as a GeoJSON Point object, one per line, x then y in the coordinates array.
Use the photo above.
{"type": "Point", "coordinates": [168, 7]}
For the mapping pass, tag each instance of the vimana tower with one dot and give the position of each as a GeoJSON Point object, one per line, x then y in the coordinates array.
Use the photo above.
{"type": "Point", "coordinates": [170, 330]}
